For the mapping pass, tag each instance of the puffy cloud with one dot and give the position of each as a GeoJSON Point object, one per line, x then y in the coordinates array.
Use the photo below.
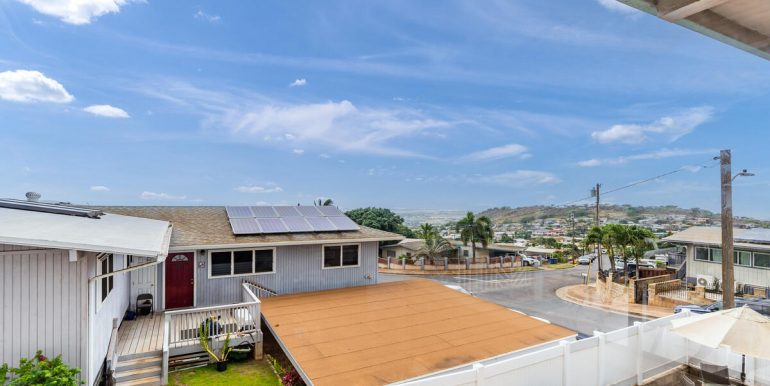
{"type": "Point", "coordinates": [100, 188]}
{"type": "Point", "coordinates": [518, 178]}
{"type": "Point", "coordinates": [76, 12]}
{"type": "Point", "coordinates": [617, 6]}
{"type": "Point", "coordinates": [298, 82]}
{"type": "Point", "coordinates": [298, 151]}
{"type": "Point", "coordinates": [659, 154]}
{"type": "Point", "coordinates": [259, 189]}
{"type": "Point", "coordinates": [31, 86]}
{"type": "Point", "coordinates": [505, 151]}
{"type": "Point", "coordinates": [200, 15]}
{"type": "Point", "coordinates": [160, 196]}
{"type": "Point", "coordinates": [670, 127]}
{"type": "Point", "coordinates": [107, 111]}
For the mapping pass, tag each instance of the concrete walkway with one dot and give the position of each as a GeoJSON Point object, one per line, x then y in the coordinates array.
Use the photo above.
{"type": "Point", "coordinates": [588, 296]}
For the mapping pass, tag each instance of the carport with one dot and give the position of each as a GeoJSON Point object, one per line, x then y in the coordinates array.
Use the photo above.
{"type": "Point", "coordinates": [385, 333]}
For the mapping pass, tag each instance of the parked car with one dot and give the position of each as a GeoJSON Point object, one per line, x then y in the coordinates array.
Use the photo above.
{"type": "Point", "coordinates": [586, 259]}
{"type": "Point", "coordinates": [760, 305]}
{"type": "Point", "coordinates": [529, 261]}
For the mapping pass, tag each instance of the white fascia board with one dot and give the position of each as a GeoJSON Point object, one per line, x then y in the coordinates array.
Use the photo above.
{"type": "Point", "coordinates": [186, 248]}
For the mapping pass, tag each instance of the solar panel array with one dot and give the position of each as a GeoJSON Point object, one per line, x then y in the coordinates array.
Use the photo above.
{"type": "Point", "coordinates": [249, 220]}
{"type": "Point", "coordinates": [45, 207]}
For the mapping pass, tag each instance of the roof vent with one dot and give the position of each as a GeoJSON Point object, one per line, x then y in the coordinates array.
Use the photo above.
{"type": "Point", "coordinates": [33, 196]}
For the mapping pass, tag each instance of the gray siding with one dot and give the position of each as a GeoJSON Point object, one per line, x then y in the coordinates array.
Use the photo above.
{"type": "Point", "coordinates": [298, 269]}
{"type": "Point", "coordinates": [757, 277]}
{"type": "Point", "coordinates": [12, 248]}
{"type": "Point", "coordinates": [41, 306]}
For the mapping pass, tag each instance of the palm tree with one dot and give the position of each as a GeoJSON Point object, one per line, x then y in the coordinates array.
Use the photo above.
{"type": "Point", "coordinates": [475, 230]}
{"type": "Point", "coordinates": [427, 231]}
{"type": "Point", "coordinates": [595, 236]}
{"type": "Point", "coordinates": [434, 248]}
{"type": "Point", "coordinates": [323, 202]}
{"type": "Point", "coordinates": [639, 239]}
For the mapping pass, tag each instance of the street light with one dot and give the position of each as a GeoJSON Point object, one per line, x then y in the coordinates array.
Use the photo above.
{"type": "Point", "coordinates": [727, 178]}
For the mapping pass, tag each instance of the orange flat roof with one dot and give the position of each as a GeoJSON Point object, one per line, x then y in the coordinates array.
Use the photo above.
{"type": "Point", "coordinates": [385, 333]}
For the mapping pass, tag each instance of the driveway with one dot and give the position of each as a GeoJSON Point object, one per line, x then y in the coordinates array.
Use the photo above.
{"type": "Point", "coordinates": [534, 293]}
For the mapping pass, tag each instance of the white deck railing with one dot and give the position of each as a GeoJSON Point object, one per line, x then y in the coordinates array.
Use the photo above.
{"type": "Point", "coordinates": [181, 327]}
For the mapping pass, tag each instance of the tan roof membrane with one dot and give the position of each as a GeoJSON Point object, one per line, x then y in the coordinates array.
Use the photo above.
{"type": "Point", "coordinates": [384, 333]}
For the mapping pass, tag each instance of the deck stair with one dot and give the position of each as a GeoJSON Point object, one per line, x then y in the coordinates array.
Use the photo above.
{"type": "Point", "coordinates": [139, 369]}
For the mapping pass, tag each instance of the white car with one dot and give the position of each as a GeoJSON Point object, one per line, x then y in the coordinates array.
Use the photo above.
{"type": "Point", "coordinates": [586, 259]}
{"type": "Point", "coordinates": [529, 261]}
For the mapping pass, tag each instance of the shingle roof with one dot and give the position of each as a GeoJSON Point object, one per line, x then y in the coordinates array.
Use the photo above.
{"type": "Point", "coordinates": [411, 244]}
{"type": "Point", "coordinates": [208, 226]}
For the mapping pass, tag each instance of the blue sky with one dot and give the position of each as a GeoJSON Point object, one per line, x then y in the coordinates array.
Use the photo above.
{"type": "Point", "coordinates": [431, 104]}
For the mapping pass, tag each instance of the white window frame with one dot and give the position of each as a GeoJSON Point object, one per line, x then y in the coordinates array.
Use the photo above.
{"type": "Point", "coordinates": [753, 265]}
{"type": "Point", "coordinates": [323, 257]}
{"type": "Point", "coordinates": [751, 258]}
{"type": "Point", "coordinates": [232, 265]}
{"type": "Point", "coordinates": [98, 297]}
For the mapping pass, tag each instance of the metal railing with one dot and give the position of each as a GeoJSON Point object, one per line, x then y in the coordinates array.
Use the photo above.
{"type": "Point", "coordinates": [181, 328]}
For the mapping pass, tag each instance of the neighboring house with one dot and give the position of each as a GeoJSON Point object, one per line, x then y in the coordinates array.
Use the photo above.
{"type": "Point", "coordinates": [491, 250]}
{"type": "Point", "coordinates": [704, 254]}
{"type": "Point", "coordinates": [69, 278]}
{"type": "Point", "coordinates": [405, 247]}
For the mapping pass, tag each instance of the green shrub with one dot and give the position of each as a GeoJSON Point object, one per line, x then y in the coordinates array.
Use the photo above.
{"type": "Point", "coordinates": [41, 371]}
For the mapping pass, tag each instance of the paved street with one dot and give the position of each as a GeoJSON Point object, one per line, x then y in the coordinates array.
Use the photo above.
{"type": "Point", "coordinates": [534, 293]}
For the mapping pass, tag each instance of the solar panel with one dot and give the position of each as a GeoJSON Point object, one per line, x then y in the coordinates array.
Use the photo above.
{"type": "Point", "coordinates": [309, 211]}
{"type": "Point", "coordinates": [272, 225]}
{"type": "Point", "coordinates": [343, 223]}
{"type": "Point", "coordinates": [321, 224]}
{"type": "Point", "coordinates": [286, 211]}
{"type": "Point", "coordinates": [329, 211]}
{"type": "Point", "coordinates": [239, 212]}
{"type": "Point", "coordinates": [263, 211]}
{"type": "Point", "coordinates": [297, 224]}
{"type": "Point", "coordinates": [245, 226]}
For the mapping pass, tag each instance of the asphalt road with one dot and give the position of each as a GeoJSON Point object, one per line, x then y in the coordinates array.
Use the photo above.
{"type": "Point", "coordinates": [534, 293]}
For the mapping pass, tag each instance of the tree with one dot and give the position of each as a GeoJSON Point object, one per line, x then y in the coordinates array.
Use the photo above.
{"type": "Point", "coordinates": [506, 238]}
{"type": "Point", "coordinates": [434, 248]}
{"type": "Point", "coordinates": [380, 218]}
{"type": "Point", "coordinates": [427, 232]}
{"type": "Point", "coordinates": [323, 202]}
{"type": "Point", "coordinates": [639, 240]}
{"type": "Point", "coordinates": [473, 230]}
{"type": "Point", "coordinates": [595, 236]}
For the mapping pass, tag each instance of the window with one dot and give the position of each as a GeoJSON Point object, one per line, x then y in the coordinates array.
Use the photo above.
{"type": "Point", "coordinates": [241, 262]}
{"type": "Point", "coordinates": [742, 258]}
{"type": "Point", "coordinates": [107, 265]}
{"type": "Point", "coordinates": [337, 256]}
{"type": "Point", "coordinates": [391, 253]}
{"type": "Point", "coordinates": [702, 254]}
{"type": "Point", "coordinates": [761, 260]}
{"type": "Point", "coordinates": [716, 255]}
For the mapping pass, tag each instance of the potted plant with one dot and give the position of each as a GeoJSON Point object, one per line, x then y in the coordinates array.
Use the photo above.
{"type": "Point", "coordinates": [221, 358]}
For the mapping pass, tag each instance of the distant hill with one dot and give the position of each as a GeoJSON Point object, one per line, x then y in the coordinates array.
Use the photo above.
{"type": "Point", "coordinates": [503, 215]}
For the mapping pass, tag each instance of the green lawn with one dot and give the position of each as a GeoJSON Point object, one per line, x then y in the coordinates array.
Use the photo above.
{"type": "Point", "coordinates": [252, 373]}
{"type": "Point", "coordinates": [560, 266]}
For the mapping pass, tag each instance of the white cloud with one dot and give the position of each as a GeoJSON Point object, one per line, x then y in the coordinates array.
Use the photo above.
{"type": "Point", "coordinates": [518, 178]}
{"type": "Point", "coordinates": [76, 12]}
{"type": "Point", "coordinates": [107, 111]}
{"type": "Point", "coordinates": [659, 154]}
{"type": "Point", "coordinates": [298, 151]}
{"type": "Point", "coordinates": [505, 151]}
{"type": "Point", "coordinates": [200, 15]}
{"type": "Point", "coordinates": [259, 189]}
{"type": "Point", "coordinates": [670, 127]}
{"type": "Point", "coordinates": [100, 188]}
{"type": "Point", "coordinates": [298, 82]}
{"type": "Point", "coordinates": [31, 86]}
{"type": "Point", "coordinates": [160, 196]}
{"type": "Point", "coordinates": [617, 6]}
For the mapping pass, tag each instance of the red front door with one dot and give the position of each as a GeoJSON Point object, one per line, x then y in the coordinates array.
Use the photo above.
{"type": "Point", "coordinates": [179, 280]}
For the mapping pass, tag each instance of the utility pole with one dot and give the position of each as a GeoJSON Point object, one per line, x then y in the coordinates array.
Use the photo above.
{"type": "Point", "coordinates": [728, 281]}
{"type": "Point", "coordinates": [596, 192]}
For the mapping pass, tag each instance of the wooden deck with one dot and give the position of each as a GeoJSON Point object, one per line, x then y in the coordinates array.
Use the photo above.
{"type": "Point", "coordinates": [145, 334]}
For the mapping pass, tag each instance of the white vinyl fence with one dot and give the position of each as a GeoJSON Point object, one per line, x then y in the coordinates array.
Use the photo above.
{"type": "Point", "coordinates": [623, 357]}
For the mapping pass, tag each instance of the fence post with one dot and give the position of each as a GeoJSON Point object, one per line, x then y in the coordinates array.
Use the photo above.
{"type": "Point", "coordinates": [446, 263]}
{"type": "Point", "coordinates": [600, 357]}
{"type": "Point", "coordinates": [479, 369]}
{"type": "Point", "coordinates": [487, 262]}
{"type": "Point", "coordinates": [403, 264]}
{"type": "Point", "coordinates": [422, 263]}
{"type": "Point", "coordinates": [639, 352]}
{"type": "Point", "coordinates": [388, 262]}
{"type": "Point", "coordinates": [565, 363]}
{"type": "Point", "coordinates": [467, 266]}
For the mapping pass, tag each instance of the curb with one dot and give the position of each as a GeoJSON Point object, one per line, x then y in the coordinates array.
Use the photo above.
{"type": "Point", "coordinates": [456, 273]}
{"type": "Point", "coordinates": [561, 294]}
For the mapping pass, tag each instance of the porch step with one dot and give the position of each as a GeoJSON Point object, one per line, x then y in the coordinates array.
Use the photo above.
{"type": "Point", "coordinates": [187, 361]}
{"type": "Point", "coordinates": [135, 374]}
{"type": "Point", "coordinates": [147, 354]}
{"type": "Point", "coordinates": [138, 363]}
{"type": "Point", "coordinates": [149, 381]}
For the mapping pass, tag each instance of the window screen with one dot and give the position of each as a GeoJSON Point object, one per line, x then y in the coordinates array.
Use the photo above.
{"type": "Point", "coordinates": [332, 256]}
{"type": "Point", "coordinates": [243, 262]}
{"type": "Point", "coordinates": [762, 260]}
{"type": "Point", "coordinates": [349, 255]}
{"type": "Point", "coordinates": [263, 260]}
{"type": "Point", "coordinates": [220, 263]}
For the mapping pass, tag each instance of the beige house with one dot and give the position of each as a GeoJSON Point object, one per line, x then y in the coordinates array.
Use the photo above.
{"type": "Point", "coordinates": [405, 247]}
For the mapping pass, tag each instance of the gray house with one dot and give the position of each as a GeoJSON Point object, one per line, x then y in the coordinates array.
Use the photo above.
{"type": "Point", "coordinates": [198, 264]}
